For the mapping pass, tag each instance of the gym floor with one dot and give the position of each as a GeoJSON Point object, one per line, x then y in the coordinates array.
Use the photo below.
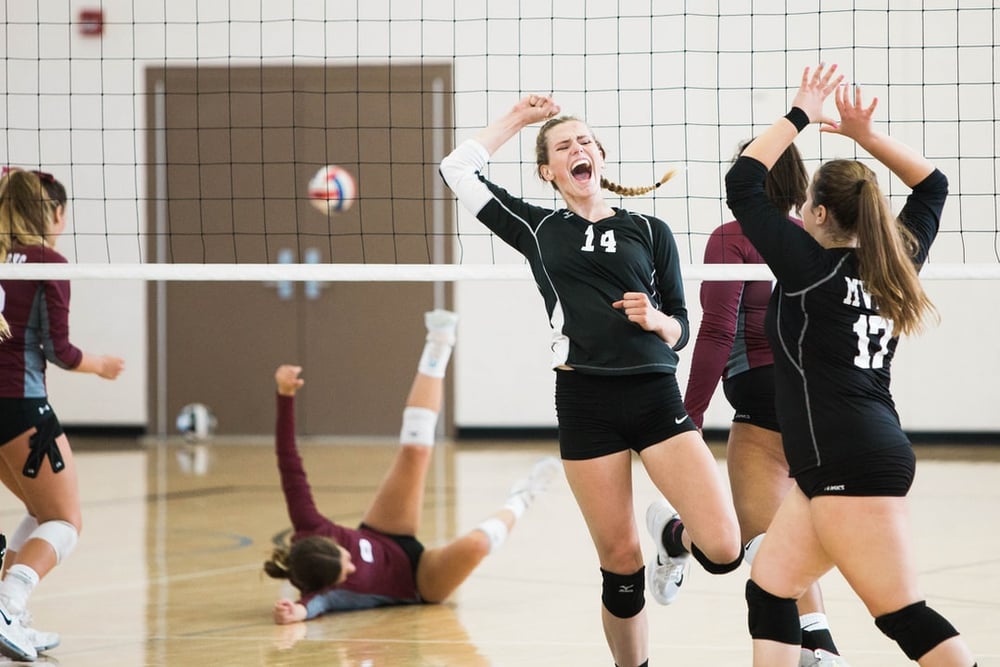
{"type": "Point", "coordinates": [168, 568]}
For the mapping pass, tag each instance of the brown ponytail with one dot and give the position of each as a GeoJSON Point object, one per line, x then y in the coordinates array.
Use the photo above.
{"type": "Point", "coordinates": [885, 248]}
{"type": "Point", "coordinates": [310, 564]}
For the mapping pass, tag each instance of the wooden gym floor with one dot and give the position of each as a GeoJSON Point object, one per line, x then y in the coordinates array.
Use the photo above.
{"type": "Point", "coordinates": [167, 571]}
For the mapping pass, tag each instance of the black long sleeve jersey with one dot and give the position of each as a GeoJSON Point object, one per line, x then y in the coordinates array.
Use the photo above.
{"type": "Point", "coordinates": [581, 268]}
{"type": "Point", "coordinates": [832, 349]}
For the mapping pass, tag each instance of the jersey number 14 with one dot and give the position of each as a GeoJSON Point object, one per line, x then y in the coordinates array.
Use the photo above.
{"type": "Point", "coordinates": [607, 240]}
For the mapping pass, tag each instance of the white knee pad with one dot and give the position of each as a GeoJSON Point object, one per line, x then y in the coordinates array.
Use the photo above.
{"type": "Point", "coordinates": [419, 426]}
{"type": "Point", "coordinates": [61, 535]}
{"type": "Point", "coordinates": [22, 533]}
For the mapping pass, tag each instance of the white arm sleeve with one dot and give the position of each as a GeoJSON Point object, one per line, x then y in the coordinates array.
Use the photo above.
{"type": "Point", "coordinates": [460, 171]}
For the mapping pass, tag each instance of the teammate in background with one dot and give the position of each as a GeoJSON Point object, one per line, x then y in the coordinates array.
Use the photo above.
{"type": "Point", "coordinates": [611, 284]}
{"type": "Point", "coordinates": [336, 568]}
{"type": "Point", "coordinates": [731, 345]}
{"type": "Point", "coordinates": [847, 288]}
{"type": "Point", "coordinates": [36, 462]}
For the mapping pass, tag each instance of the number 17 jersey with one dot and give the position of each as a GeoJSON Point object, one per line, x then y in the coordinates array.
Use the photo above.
{"type": "Point", "coordinates": [833, 350]}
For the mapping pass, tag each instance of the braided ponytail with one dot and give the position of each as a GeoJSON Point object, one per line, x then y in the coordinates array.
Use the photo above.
{"type": "Point", "coordinates": [636, 191]}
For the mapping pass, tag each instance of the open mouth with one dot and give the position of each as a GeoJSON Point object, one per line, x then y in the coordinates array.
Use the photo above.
{"type": "Point", "coordinates": [582, 170]}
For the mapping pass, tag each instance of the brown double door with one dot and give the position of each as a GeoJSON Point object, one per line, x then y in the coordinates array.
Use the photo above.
{"type": "Point", "coordinates": [232, 152]}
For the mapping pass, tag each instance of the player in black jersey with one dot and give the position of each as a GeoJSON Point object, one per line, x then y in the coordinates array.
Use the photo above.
{"type": "Point", "coordinates": [610, 280]}
{"type": "Point", "coordinates": [847, 288]}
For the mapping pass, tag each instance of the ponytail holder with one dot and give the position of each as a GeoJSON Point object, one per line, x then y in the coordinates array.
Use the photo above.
{"type": "Point", "coordinates": [798, 118]}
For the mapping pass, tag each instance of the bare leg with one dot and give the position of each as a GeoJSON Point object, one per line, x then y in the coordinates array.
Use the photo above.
{"type": "Point", "coordinates": [441, 570]}
{"type": "Point", "coordinates": [687, 475]}
{"type": "Point", "coordinates": [790, 560]}
{"type": "Point", "coordinates": [603, 490]}
{"type": "Point", "coordinates": [50, 496]}
{"type": "Point", "coordinates": [399, 500]}
{"type": "Point", "coordinates": [858, 532]}
{"type": "Point", "coordinates": [758, 477]}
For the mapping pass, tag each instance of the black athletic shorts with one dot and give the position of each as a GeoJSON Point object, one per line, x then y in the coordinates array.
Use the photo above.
{"type": "Point", "coordinates": [751, 394]}
{"type": "Point", "coordinates": [888, 472]}
{"type": "Point", "coordinates": [410, 545]}
{"type": "Point", "coordinates": [18, 415]}
{"type": "Point", "coordinates": [603, 414]}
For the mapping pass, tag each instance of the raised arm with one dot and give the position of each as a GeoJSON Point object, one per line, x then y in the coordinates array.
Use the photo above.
{"type": "Point", "coordinates": [298, 496]}
{"type": "Point", "coordinates": [856, 123]}
{"type": "Point", "coordinates": [528, 110]}
{"type": "Point", "coordinates": [807, 107]}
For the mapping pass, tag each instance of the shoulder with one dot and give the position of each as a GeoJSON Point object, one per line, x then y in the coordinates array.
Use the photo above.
{"type": "Point", "coordinates": [36, 254]}
{"type": "Point", "coordinates": [727, 230]}
{"type": "Point", "coordinates": [643, 219]}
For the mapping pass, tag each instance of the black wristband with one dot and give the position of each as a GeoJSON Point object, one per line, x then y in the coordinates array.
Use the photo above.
{"type": "Point", "coordinates": [798, 118]}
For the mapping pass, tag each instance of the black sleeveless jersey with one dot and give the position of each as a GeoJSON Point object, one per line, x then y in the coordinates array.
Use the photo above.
{"type": "Point", "coordinates": [832, 349]}
{"type": "Point", "coordinates": [581, 268]}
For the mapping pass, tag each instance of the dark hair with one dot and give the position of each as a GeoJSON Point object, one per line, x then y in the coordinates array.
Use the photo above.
{"type": "Point", "coordinates": [542, 157]}
{"type": "Point", "coordinates": [787, 182]}
{"type": "Point", "coordinates": [310, 564]}
{"type": "Point", "coordinates": [885, 248]}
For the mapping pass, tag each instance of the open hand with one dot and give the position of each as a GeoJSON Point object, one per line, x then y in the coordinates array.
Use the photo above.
{"type": "Point", "coordinates": [855, 118]}
{"type": "Point", "coordinates": [813, 91]}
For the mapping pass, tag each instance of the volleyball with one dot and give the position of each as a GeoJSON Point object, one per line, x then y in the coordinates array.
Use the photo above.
{"type": "Point", "coordinates": [196, 422]}
{"type": "Point", "coordinates": [332, 189]}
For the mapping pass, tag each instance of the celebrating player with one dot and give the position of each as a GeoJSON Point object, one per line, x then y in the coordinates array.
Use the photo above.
{"type": "Point", "coordinates": [731, 345]}
{"type": "Point", "coordinates": [611, 284]}
{"type": "Point", "coordinates": [847, 288]}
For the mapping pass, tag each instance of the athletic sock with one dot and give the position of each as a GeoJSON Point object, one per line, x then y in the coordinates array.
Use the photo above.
{"type": "Point", "coordinates": [816, 633]}
{"type": "Point", "coordinates": [434, 359]}
{"type": "Point", "coordinates": [672, 538]}
{"type": "Point", "coordinates": [16, 587]}
{"type": "Point", "coordinates": [496, 532]}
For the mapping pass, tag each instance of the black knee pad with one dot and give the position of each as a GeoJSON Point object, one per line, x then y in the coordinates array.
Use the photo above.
{"type": "Point", "coordinates": [624, 595]}
{"type": "Point", "coordinates": [916, 628]}
{"type": "Point", "coordinates": [713, 567]}
{"type": "Point", "coordinates": [771, 617]}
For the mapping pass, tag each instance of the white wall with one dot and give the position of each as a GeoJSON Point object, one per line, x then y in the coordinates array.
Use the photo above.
{"type": "Point", "coordinates": [660, 86]}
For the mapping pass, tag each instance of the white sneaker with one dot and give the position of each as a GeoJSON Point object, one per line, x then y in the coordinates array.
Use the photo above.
{"type": "Point", "coordinates": [441, 325]}
{"type": "Point", "coordinates": [751, 547]}
{"type": "Point", "coordinates": [41, 640]}
{"type": "Point", "coordinates": [14, 641]}
{"type": "Point", "coordinates": [665, 573]}
{"type": "Point", "coordinates": [537, 481]}
{"type": "Point", "coordinates": [820, 658]}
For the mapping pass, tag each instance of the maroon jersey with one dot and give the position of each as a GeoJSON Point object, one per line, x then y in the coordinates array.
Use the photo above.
{"type": "Point", "coordinates": [731, 338]}
{"type": "Point", "coordinates": [384, 574]}
{"type": "Point", "coordinates": [38, 314]}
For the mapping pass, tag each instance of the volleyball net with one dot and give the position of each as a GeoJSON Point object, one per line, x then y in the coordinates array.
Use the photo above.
{"type": "Point", "coordinates": [187, 134]}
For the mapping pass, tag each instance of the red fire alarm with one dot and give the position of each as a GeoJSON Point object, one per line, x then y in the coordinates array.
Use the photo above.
{"type": "Point", "coordinates": [91, 22]}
